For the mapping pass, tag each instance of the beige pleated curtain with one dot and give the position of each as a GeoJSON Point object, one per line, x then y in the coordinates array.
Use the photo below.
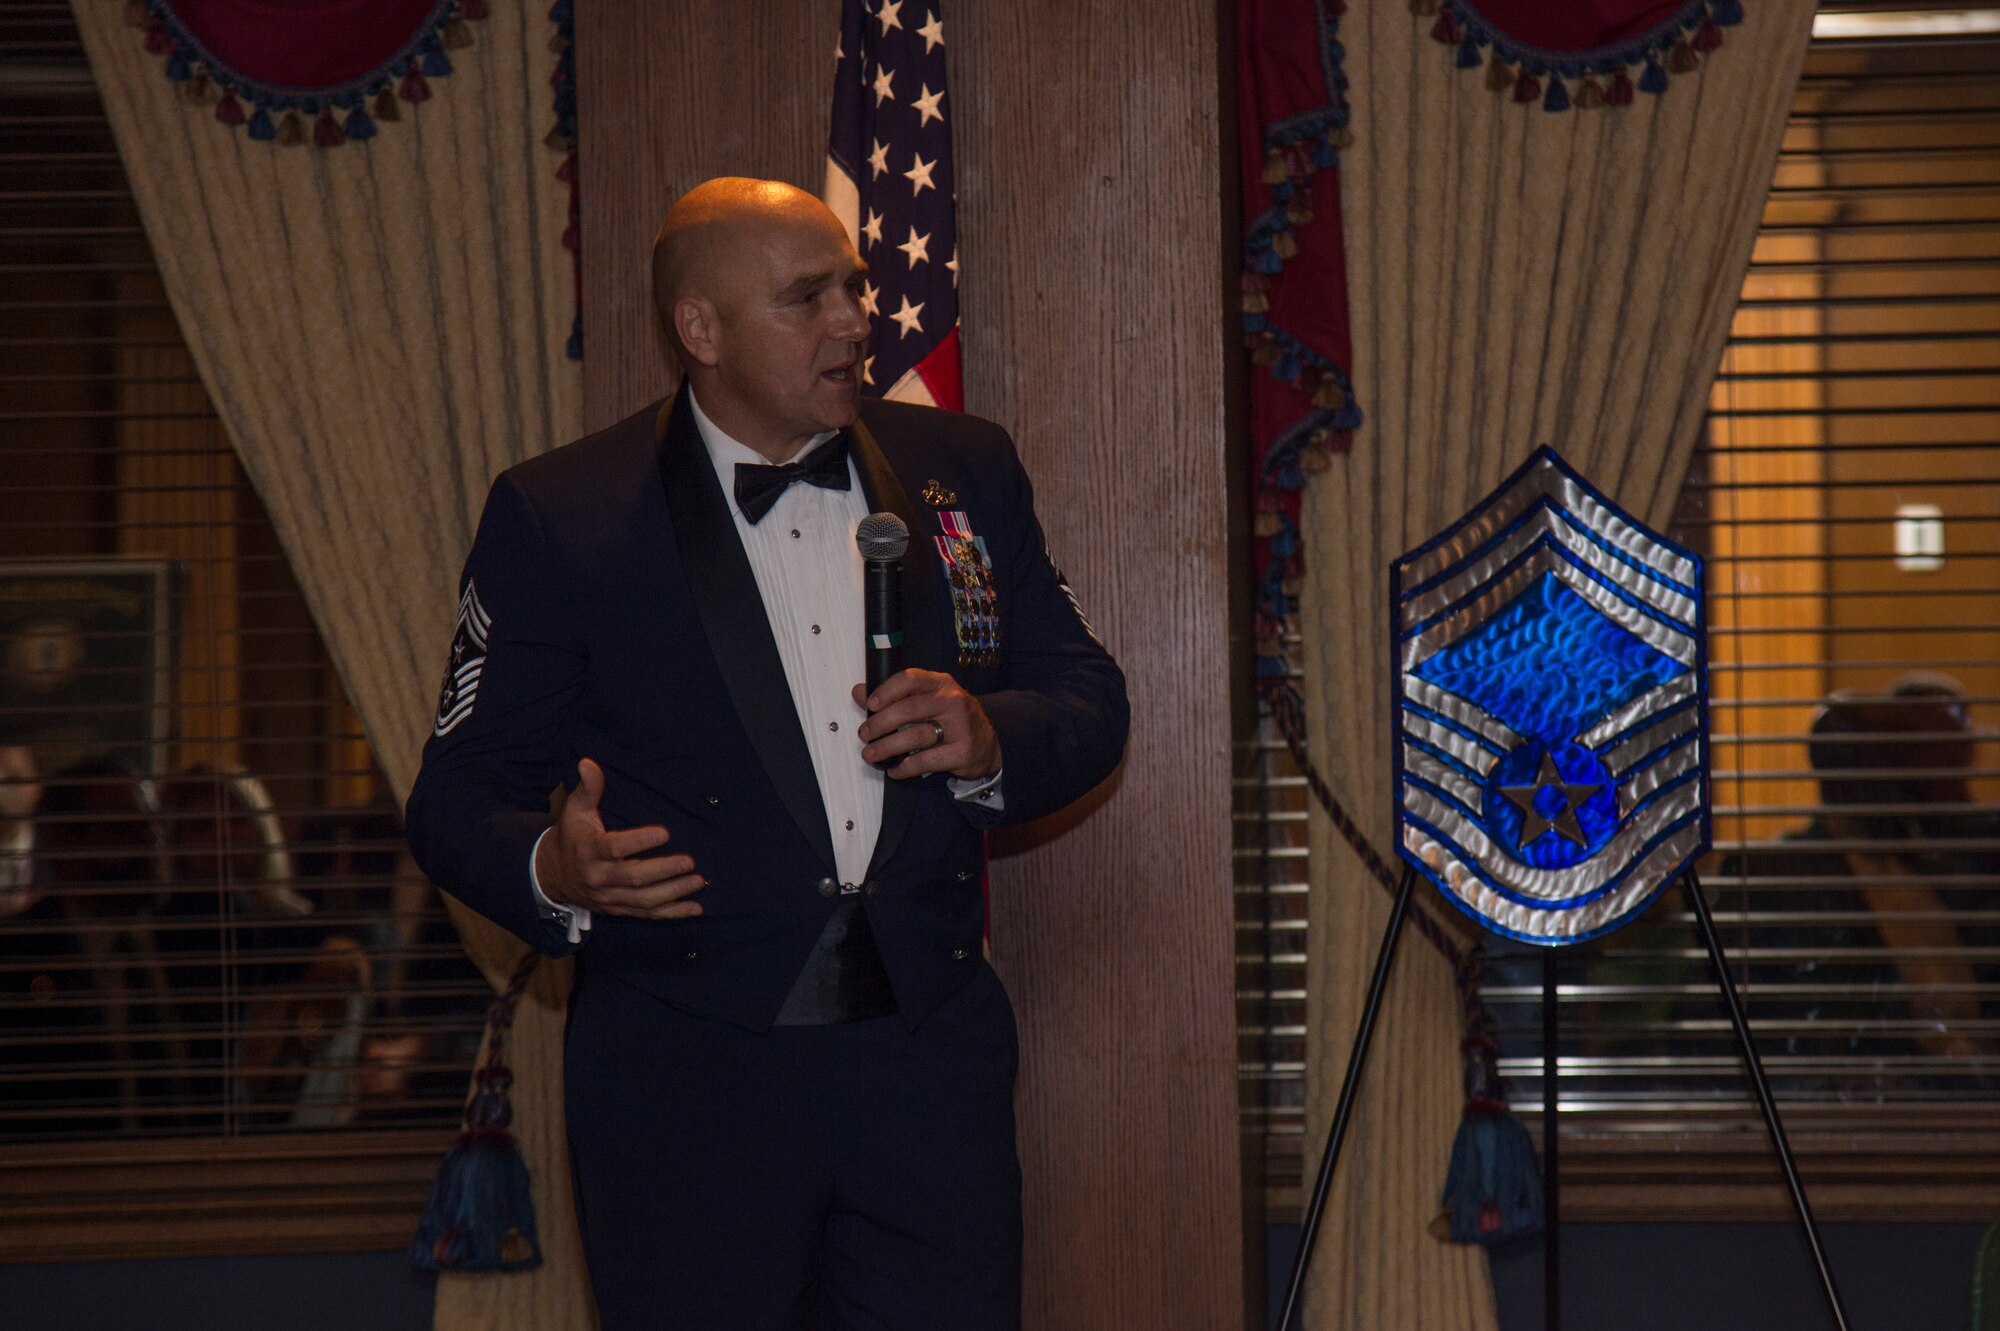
{"type": "Point", "coordinates": [380, 327]}
{"type": "Point", "coordinates": [1517, 277]}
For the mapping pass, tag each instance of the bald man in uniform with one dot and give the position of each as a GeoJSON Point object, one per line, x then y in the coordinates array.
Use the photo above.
{"type": "Point", "coordinates": [789, 1069]}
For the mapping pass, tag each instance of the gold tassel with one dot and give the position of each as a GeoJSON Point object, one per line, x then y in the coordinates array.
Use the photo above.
{"type": "Point", "coordinates": [1682, 59]}
{"type": "Point", "coordinates": [1264, 353]}
{"type": "Point", "coordinates": [515, 1248]}
{"type": "Point", "coordinates": [1284, 246]}
{"type": "Point", "coordinates": [1256, 302]}
{"type": "Point", "coordinates": [456, 35]}
{"type": "Point", "coordinates": [1298, 212]}
{"type": "Point", "coordinates": [1267, 525]}
{"type": "Point", "coordinates": [1314, 458]}
{"type": "Point", "coordinates": [1274, 167]}
{"type": "Point", "coordinates": [1423, 8]}
{"type": "Point", "coordinates": [201, 89]}
{"type": "Point", "coordinates": [385, 107]}
{"type": "Point", "coordinates": [1590, 94]}
{"type": "Point", "coordinates": [1329, 394]}
{"type": "Point", "coordinates": [291, 130]}
{"type": "Point", "coordinates": [1293, 584]}
{"type": "Point", "coordinates": [1270, 646]}
{"type": "Point", "coordinates": [1499, 75]}
{"type": "Point", "coordinates": [135, 14]}
{"type": "Point", "coordinates": [556, 139]}
{"type": "Point", "coordinates": [557, 43]}
{"type": "Point", "coordinates": [1340, 136]}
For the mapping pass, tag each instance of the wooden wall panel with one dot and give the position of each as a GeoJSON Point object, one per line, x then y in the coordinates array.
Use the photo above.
{"type": "Point", "coordinates": [1090, 181]}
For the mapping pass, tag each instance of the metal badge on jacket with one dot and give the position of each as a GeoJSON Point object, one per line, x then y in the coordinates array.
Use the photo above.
{"type": "Point", "coordinates": [468, 660]}
{"type": "Point", "coordinates": [975, 605]}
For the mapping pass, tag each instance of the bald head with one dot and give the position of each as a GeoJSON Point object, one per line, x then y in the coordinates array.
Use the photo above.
{"type": "Point", "coordinates": [703, 242]}
{"type": "Point", "coordinates": [764, 300]}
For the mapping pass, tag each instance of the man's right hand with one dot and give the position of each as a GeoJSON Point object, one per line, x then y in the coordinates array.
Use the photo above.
{"type": "Point", "coordinates": [578, 863]}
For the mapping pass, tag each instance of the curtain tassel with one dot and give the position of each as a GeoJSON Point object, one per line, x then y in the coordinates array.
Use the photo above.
{"type": "Point", "coordinates": [1445, 30]}
{"type": "Point", "coordinates": [435, 63]}
{"type": "Point", "coordinates": [1527, 88]}
{"type": "Point", "coordinates": [1620, 91]}
{"type": "Point", "coordinates": [472, 8]}
{"type": "Point", "coordinates": [1708, 36]}
{"type": "Point", "coordinates": [384, 107]}
{"type": "Point", "coordinates": [200, 89]}
{"type": "Point", "coordinates": [157, 42]}
{"type": "Point", "coordinates": [1423, 8]}
{"type": "Point", "coordinates": [481, 1212]}
{"type": "Point", "coordinates": [1682, 59]}
{"type": "Point", "coordinates": [135, 14]}
{"type": "Point", "coordinates": [1654, 80]}
{"type": "Point", "coordinates": [1493, 1187]}
{"type": "Point", "coordinates": [1728, 13]}
{"type": "Point", "coordinates": [291, 130]}
{"type": "Point", "coordinates": [1558, 98]}
{"type": "Point", "coordinates": [413, 88]}
{"type": "Point", "coordinates": [1468, 53]}
{"type": "Point", "coordinates": [359, 126]}
{"type": "Point", "coordinates": [326, 130]}
{"type": "Point", "coordinates": [1274, 167]}
{"type": "Point", "coordinates": [1589, 94]}
{"type": "Point", "coordinates": [1499, 76]}
{"type": "Point", "coordinates": [456, 35]}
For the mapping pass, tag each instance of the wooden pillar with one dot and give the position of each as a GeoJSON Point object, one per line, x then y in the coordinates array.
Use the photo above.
{"type": "Point", "coordinates": [1088, 157]}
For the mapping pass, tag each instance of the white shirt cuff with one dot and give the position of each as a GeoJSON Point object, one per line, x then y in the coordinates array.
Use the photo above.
{"type": "Point", "coordinates": [985, 792]}
{"type": "Point", "coordinates": [574, 919]}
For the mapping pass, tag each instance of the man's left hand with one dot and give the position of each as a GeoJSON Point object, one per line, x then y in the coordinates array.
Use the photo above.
{"type": "Point", "coordinates": [934, 724]}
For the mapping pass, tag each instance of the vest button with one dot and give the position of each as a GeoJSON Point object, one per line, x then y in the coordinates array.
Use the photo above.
{"type": "Point", "coordinates": [715, 801]}
{"type": "Point", "coordinates": [871, 887]}
{"type": "Point", "coordinates": [694, 956]}
{"type": "Point", "coordinates": [958, 954]}
{"type": "Point", "coordinates": [827, 887]}
{"type": "Point", "coordinates": [965, 875]}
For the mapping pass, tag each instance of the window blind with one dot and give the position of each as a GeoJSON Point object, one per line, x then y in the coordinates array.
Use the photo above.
{"type": "Point", "coordinates": [209, 924]}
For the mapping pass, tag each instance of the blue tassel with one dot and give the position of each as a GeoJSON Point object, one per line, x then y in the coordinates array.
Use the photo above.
{"type": "Point", "coordinates": [481, 1213]}
{"type": "Point", "coordinates": [559, 14]}
{"type": "Point", "coordinates": [177, 67]}
{"type": "Point", "coordinates": [1654, 80]}
{"type": "Point", "coordinates": [1558, 96]}
{"type": "Point", "coordinates": [1493, 1190]}
{"type": "Point", "coordinates": [260, 126]}
{"type": "Point", "coordinates": [1270, 667]}
{"type": "Point", "coordinates": [358, 125]}
{"type": "Point", "coordinates": [1348, 417]}
{"type": "Point", "coordinates": [1726, 13]}
{"type": "Point", "coordinates": [1323, 155]}
{"type": "Point", "coordinates": [1468, 54]}
{"type": "Point", "coordinates": [574, 347]}
{"type": "Point", "coordinates": [435, 65]}
{"type": "Point", "coordinates": [1285, 543]}
{"type": "Point", "coordinates": [1291, 477]}
{"type": "Point", "coordinates": [1254, 323]}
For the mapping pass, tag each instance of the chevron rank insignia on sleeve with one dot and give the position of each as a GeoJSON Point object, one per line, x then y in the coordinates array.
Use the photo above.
{"type": "Point", "coordinates": [466, 663]}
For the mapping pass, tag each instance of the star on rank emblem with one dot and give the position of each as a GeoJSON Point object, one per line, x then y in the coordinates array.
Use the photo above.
{"type": "Point", "coordinates": [1550, 708]}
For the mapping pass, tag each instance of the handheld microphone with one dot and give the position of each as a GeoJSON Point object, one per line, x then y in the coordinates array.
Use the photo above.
{"type": "Point", "coordinates": [883, 540]}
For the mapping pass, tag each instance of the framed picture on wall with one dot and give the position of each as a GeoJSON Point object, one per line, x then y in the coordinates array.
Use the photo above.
{"type": "Point", "coordinates": [86, 660]}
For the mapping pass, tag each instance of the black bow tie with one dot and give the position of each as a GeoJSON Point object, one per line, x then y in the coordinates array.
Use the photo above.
{"type": "Point", "coordinates": [758, 487]}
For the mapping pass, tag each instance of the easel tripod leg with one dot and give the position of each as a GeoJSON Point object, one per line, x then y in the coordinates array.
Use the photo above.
{"type": "Point", "coordinates": [1755, 1067]}
{"type": "Point", "coordinates": [1551, 1146]}
{"type": "Point", "coordinates": [1349, 1091]}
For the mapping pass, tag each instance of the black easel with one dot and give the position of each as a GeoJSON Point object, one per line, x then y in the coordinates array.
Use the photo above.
{"type": "Point", "coordinates": [1552, 1318]}
{"type": "Point", "coordinates": [1365, 1032]}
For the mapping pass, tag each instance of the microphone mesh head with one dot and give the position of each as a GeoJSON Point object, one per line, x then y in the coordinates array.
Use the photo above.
{"type": "Point", "coordinates": [882, 536]}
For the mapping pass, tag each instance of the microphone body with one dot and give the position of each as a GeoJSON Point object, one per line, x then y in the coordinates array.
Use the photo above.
{"type": "Point", "coordinates": [883, 541]}
{"type": "Point", "coordinates": [882, 618]}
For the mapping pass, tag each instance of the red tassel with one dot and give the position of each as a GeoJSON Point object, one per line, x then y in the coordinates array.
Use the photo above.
{"type": "Point", "coordinates": [157, 41]}
{"type": "Point", "coordinates": [326, 130]}
{"type": "Point", "coordinates": [567, 171]}
{"type": "Point", "coordinates": [569, 237]}
{"type": "Point", "coordinates": [413, 88]}
{"type": "Point", "coordinates": [472, 8]}
{"type": "Point", "coordinates": [230, 111]}
{"type": "Point", "coordinates": [1620, 91]}
{"type": "Point", "coordinates": [1708, 36]}
{"type": "Point", "coordinates": [1527, 88]}
{"type": "Point", "coordinates": [1445, 30]}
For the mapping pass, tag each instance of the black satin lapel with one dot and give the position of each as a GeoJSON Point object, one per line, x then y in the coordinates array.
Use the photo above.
{"type": "Point", "coordinates": [923, 586]}
{"type": "Point", "coordinates": [732, 617]}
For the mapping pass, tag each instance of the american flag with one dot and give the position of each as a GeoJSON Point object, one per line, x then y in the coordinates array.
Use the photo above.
{"type": "Point", "coordinates": [888, 178]}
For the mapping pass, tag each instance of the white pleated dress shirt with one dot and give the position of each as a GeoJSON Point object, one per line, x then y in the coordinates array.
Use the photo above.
{"type": "Point", "coordinates": [809, 573]}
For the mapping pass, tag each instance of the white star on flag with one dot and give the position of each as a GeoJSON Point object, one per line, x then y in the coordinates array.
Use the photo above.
{"type": "Point", "coordinates": [886, 48]}
{"type": "Point", "coordinates": [907, 317]}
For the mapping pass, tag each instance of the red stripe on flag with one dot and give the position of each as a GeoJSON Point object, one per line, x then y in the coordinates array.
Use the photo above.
{"type": "Point", "coordinates": [940, 373]}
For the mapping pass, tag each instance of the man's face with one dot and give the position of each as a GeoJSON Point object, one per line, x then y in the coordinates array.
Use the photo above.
{"type": "Point", "coordinates": [791, 331]}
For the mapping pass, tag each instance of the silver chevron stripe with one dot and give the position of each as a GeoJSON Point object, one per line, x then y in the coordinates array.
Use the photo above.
{"type": "Point", "coordinates": [1623, 758]}
{"type": "Point", "coordinates": [1449, 705]}
{"type": "Point", "coordinates": [1561, 923]}
{"type": "Point", "coordinates": [1559, 527]}
{"type": "Point", "coordinates": [1649, 779]}
{"type": "Point", "coordinates": [1670, 694]}
{"type": "Point", "coordinates": [1662, 638]}
{"type": "Point", "coordinates": [1553, 884]}
{"type": "Point", "coordinates": [1453, 782]}
{"type": "Point", "coordinates": [1470, 752]}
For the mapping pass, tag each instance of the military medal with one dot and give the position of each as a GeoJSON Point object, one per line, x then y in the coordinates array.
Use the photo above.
{"type": "Point", "coordinates": [975, 605]}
